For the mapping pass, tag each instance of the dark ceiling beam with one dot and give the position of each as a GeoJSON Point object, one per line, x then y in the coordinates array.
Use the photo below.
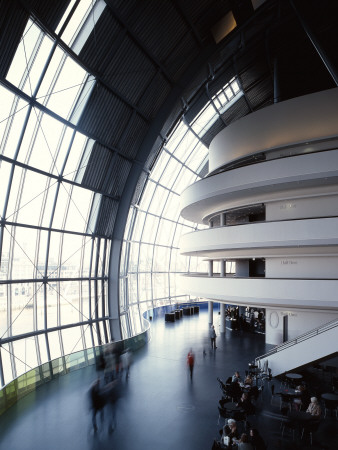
{"type": "Point", "coordinates": [140, 44]}
{"type": "Point", "coordinates": [180, 8]}
{"type": "Point", "coordinates": [316, 43]}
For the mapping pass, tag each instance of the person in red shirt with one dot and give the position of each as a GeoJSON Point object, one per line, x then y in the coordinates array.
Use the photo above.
{"type": "Point", "coordinates": [191, 362]}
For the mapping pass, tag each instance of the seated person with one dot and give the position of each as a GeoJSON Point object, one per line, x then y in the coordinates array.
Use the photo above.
{"type": "Point", "coordinates": [314, 407]}
{"type": "Point", "coordinates": [248, 380]}
{"type": "Point", "coordinates": [236, 377]}
{"type": "Point", "coordinates": [234, 391]}
{"type": "Point", "coordinates": [303, 401]}
{"type": "Point", "coordinates": [256, 440]}
{"type": "Point", "coordinates": [230, 430]}
{"type": "Point", "coordinates": [243, 443]}
{"type": "Point", "coordinates": [245, 404]}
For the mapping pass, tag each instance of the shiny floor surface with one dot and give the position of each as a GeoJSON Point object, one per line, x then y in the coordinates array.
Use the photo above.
{"type": "Point", "coordinates": [160, 407]}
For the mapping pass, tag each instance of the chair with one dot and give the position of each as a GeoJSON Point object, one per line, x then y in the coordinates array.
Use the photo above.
{"type": "Point", "coordinates": [222, 413]}
{"type": "Point", "coordinates": [290, 425]}
{"type": "Point", "coordinates": [310, 428]}
{"type": "Point", "coordinates": [330, 405]}
{"type": "Point", "coordinates": [273, 395]}
{"type": "Point", "coordinates": [285, 400]}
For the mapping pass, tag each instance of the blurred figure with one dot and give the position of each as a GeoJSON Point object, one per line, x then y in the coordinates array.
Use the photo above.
{"type": "Point", "coordinates": [111, 392]}
{"type": "Point", "coordinates": [126, 359]}
{"type": "Point", "coordinates": [191, 362]}
{"type": "Point", "coordinates": [109, 370]}
{"type": "Point", "coordinates": [97, 402]}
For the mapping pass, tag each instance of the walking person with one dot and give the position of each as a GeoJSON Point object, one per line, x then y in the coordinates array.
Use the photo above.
{"type": "Point", "coordinates": [191, 362]}
{"type": "Point", "coordinates": [213, 336]}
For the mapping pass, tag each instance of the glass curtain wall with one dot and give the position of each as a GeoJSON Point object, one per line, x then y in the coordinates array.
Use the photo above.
{"type": "Point", "coordinates": [53, 271]}
{"type": "Point", "coordinates": [151, 260]}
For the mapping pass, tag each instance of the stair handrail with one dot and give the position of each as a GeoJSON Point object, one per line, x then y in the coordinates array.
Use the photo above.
{"type": "Point", "coordinates": [303, 337]}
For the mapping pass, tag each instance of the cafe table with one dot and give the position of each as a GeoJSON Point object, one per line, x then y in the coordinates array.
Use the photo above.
{"type": "Point", "coordinates": [294, 376]}
{"type": "Point", "coordinates": [330, 396]}
{"type": "Point", "coordinates": [232, 406]}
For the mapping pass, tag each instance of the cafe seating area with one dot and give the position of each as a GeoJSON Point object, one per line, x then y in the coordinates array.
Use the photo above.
{"type": "Point", "coordinates": [283, 420]}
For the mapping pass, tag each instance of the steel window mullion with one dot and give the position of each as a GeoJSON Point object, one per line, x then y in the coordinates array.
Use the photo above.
{"type": "Point", "coordinates": [103, 294]}
{"type": "Point", "coordinates": [56, 177]}
{"type": "Point", "coordinates": [97, 257]}
{"type": "Point", "coordinates": [90, 289]}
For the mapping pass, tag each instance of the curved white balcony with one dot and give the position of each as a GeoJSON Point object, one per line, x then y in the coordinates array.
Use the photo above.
{"type": "Point", "coordinates": [317, 237]}
{"type": "Point", "coordinates": [294, 125]}
{"type": "Point", "coordinates": [265, 292]}
{"type": "Point", "coordinates": [314, 174]}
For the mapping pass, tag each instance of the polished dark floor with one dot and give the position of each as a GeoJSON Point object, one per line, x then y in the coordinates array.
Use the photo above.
{"type": "Point", "coordinates": [160, 408]}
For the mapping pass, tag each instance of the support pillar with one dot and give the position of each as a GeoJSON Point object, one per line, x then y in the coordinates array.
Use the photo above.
{"type": "Point", "coordinates": [222, 326]}
{"type": "Point", "coordinates": [211, 268]}
{"type": "Point", "coordinates": [211, 311]}
{"type": "Point", "coordinates": [223, 268]}
{"type": "Point", "coordinates": [222, 219]}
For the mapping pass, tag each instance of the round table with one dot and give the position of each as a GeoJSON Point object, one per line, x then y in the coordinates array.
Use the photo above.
{"type": "Point", "coordinates": [231, 406]}
{"type": "Point", "coordinates": [294, 376]}
{"type": "Point", "coordinates": [289, 391]}
{"type": "Point", "coordinates": [330, 396]}
{"type": "Point", "coordinates": [300, 416]}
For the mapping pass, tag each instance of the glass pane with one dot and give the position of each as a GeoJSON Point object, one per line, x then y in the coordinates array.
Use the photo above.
{"type": "Point", "coordinates": [5, 169]}
{"type": "Point", "coordinates": [165, 232]}
{"type": "Point", "coordinates": [161, 258]}
{"type": "Point", "coordinates": [150, 228]}
{"type": "Point", "coordinates": [160, 285]}
{"type": "Point", "coordinates": [30, 58]}
{"type": "Point", "coordinates": [144, 286]}
{"type": "Point", "coordinates": [160, 166]}
{"type": "Point", "coordinates": [6, 362]}
{"type": "Point", "coordinates": [75, 155]}
{"type": "Point", "coordinates": [62, 84]}
{"type": "Point", "coordinates": [79, 207]}
{"type": "Point", "coordinates": [25, 355]}
{"type": "Point", "coordinates": [138, 227]}
{"type": "Point", "coordinates": [146, 258]}
{"type": "Point", "coordinates": [158, 201]}
{"type": "Point", "coordinates": [54, 344]}
{"type": "Point", "coordinates": [70, 302]}
{"type": "Point", "coordinates": [72, 340]}
{"type": "Point", "coordinates": [13, 111]}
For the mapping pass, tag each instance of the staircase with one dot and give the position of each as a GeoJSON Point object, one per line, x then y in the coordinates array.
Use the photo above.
{"type": "Point", "coordinates": [306, 348]}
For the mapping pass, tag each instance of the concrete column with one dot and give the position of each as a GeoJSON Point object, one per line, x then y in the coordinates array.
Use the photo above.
{"type": "Point", "coordinates": [222, 327]}
{"type": "Point", "coordinates": [222, 219]}
{"type": "Point", "coordinates": [211, 268]}
{"type": "Point", "coordinates": [223, 268]}
{"type": "Point", "coordinates": [211, 312]}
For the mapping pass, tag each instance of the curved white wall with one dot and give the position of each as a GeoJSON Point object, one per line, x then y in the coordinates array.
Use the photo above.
{"type": "Point", "coordinates": [258, 239]}
{"type": "Point", "coordinates": [302, 176]}
{"type": "Point", "coordinates": [285, 293]}
{"type": "Point", "coordinates": [300, 120]}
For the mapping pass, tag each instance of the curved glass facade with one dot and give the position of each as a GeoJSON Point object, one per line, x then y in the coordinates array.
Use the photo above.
{"type": "Point", "coordinates": [151, 261]}
{"type": "Point", "coordinates": [54, 264]}
{"type": "Point", "coordinates": [53, 298]}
